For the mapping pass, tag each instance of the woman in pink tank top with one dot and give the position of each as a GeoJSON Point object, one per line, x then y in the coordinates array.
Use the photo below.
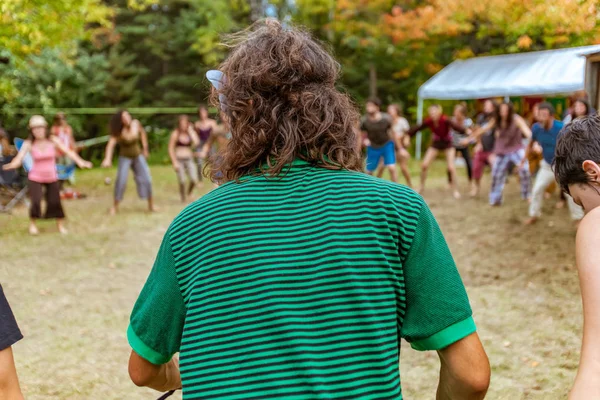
{"type": "Point", "coordinates": [43, 176]}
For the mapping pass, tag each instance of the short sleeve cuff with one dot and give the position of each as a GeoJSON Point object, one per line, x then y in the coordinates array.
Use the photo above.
{"type": "Point", "coordinates": [446, 337]}
{"type": "Point", "coordinates": [143, 350]}
{"type": "Point", "coordinates": [10, 339]}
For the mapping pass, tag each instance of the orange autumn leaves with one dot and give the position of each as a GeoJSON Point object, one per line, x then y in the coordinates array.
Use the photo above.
{"type": "Point", "coordinates": [551, 23]}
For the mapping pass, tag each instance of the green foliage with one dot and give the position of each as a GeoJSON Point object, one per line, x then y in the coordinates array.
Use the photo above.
{"type": "Point", "coordinates": [50, 81]}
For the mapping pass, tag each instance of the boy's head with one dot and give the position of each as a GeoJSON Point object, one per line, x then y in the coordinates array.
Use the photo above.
{"type": "Point", "coordinates": [577, 161]}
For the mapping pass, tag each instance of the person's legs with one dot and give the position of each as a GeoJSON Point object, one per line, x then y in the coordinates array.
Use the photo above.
{"type": "Point", "coordinates": [524, 175]}
{"type": "Point", "coordinates": [478, 166]}
{"type": "Point", "coordinates": [467, 157]}
{"type": "Point", "coordinates": [404, 156]}
{"type": "Point", "coordinates": [389, 160]}
{"type": "Point", "coordinates": [430, 155]}
{"type": "Point", "coordinates": [499, 172]}
{"type": "Point", "coordinates": [180, 172]}
{"type": "Point", "coordinates": [450, 178]}
{"type": "Point", "coordinates": [192, 173]}
{"type": "Point", "coordinates": [373, 157]}
{"type": "Point", "coordinates": [143, 180]}
{"type": "Point", "coordinates": [380, 169]}
{"type": "Point", "coordinates": [54, 207]}
{"type": "Point", "coordinates": [450, 161]}
{"type": "Point", "coordinates": [545, 177]}
{"type": "Point", "coordinates": [35, 208]}
{"type": "Point", "coordinates": [121, 182]}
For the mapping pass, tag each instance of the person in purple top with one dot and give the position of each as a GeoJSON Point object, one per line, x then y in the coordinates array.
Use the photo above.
{"type": "Point", "coordinates": [545, 134]}
{"type": "Point", "coordinates": [509, 150]}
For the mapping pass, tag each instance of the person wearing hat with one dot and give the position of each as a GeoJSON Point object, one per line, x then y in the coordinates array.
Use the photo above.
{"type": "Point", "coordinates": [42, 176]}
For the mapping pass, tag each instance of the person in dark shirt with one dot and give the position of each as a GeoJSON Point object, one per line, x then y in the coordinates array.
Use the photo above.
{"type": "Point", "coordinates": [379, 138]}
{"type": "Point", "coordinates": [9, 335]}
{"type": "Point", "coordinates": [484, 136]}
{"type": "Point", "coordinates": [440, 126]}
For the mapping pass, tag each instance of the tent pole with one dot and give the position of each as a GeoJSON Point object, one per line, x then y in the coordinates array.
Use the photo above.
{"type": "Point", "coordinates": [419, 135]}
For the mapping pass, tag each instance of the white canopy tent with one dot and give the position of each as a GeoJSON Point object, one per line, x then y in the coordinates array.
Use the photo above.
{"type": "Point", "coordinates": [525, 74]}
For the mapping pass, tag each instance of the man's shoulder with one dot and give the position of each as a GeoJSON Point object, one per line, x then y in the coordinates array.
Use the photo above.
{"type": "Point", "coordinates": [558, 124]}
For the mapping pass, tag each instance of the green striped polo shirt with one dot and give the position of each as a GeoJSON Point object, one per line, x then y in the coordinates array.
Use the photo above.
{"type": "Point", "coordinates": [300, 287]}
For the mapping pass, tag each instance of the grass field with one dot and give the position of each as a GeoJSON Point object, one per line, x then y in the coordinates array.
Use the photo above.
{"type": "Point", "coordinates": [72, 294]}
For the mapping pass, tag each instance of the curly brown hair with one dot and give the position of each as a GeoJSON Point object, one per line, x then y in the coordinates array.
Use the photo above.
{"type": "Point", "coordinates": [282, 104]}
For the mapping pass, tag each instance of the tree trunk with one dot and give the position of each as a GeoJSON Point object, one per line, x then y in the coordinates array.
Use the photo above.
{"type": "Point", "coordinates": [256, 10]}
{"type": "Point", "coordinates": [372, 81]}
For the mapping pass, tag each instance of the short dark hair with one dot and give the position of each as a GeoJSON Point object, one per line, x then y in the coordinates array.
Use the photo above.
{"type": "Point", "coordinates": [547, 106]}
{"type": "Point", "coordinates": [578, 141]}
{"type": "Point", "coordinates": [375, 100]}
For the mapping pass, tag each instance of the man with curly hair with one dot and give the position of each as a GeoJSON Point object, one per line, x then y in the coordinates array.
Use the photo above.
{"type": "Point", "coordinates": [299, 275]}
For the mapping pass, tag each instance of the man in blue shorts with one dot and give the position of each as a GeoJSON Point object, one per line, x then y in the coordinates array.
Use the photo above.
{"type": "Point", "coordinates": [377, 128]}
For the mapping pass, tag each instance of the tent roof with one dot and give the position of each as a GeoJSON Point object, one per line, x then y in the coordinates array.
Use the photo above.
{"type": "Point", "coordinates": [523, 74]}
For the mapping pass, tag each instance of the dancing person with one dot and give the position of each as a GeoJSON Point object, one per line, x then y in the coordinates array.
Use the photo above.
{"type": "Point", "coordinates": [460, 118]}
{"type": "Point", "coordinates": [62, 130]}
{"type": "Point", "coordinates": [580, 108]}
{"type": "Point", "coordinates": [400, 128]}
{"type": "Point", "coordinates": [299, 253]}
{"type": "Point", "coordinates": [380, 139]}
{"type": "Point", "coordinates": [42, 176]}
{"type": "Point", "coordinates": [485, 141]}
{"type": "Point", "coordinates": [10, 334]}
{"type": "Point", "coordinates": [509, 151]}
{"type": "Point", "coordinates": [181, 144]}
{"type": "Point", "coordinates": [440, 126]}
{"type": "Point", "coordinates": [577, 170]}
{"type": "Point", "coordinates": [204, 126]}
{"type": "Point", "coordinates": [128, 133]}
{"type": "Point", "coordinates": [218, 141]}
{"type": "Point", "coordinates": [545, 133]}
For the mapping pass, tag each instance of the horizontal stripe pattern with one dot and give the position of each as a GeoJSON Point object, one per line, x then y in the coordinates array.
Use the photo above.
{"type": "Point", "coordinates": [294, 286]}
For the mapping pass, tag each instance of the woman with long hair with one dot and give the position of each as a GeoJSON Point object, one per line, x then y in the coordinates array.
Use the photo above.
{"type": "Point", "coordinates": [181, 144]}
{"type": "Point", "coordinates": [128, 133]}
{"type": "Point", "coordinates": [509, 150]}
{"type": "Point", "coordinates": [580, 108]}
{"type": "Point", "coordinates": [204, 127]}
{"type": "Point", "coordinates": [400, 127]}
{"type": "Point", "coordinates": [483, 136]}
{"type": "Point", "coordinates": [298, 276]}
{"type": "Point", "coordinates": [42, 176]}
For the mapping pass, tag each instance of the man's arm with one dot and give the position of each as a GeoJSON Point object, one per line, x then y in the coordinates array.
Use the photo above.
{"type": "Point", "coordinates": [9, 382]}
{"type": "Point", "coordinates": [587, 384]}
{"type": "Point", "coordinates": [465, 370]}
{"type": "Point", "coordinates": [163, 377]}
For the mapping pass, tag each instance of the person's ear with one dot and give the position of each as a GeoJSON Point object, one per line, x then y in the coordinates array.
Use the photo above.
{"type": "Point", "coordinates": [592, 170]}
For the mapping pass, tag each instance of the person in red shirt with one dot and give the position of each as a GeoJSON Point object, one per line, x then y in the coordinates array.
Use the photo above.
{"type": "Point", "coordinates": [440, 126]}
